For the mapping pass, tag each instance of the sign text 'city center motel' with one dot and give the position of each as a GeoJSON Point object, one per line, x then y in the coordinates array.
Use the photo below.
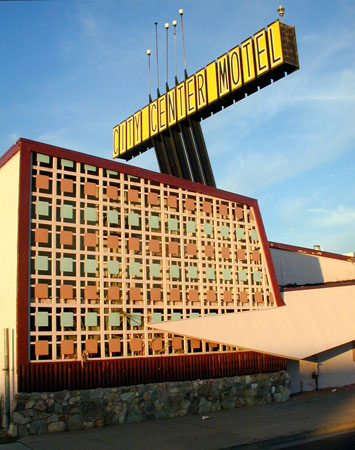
{"type": "Point", "coordinates": [268, 55]}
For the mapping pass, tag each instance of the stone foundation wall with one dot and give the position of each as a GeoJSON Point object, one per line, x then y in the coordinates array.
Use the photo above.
{"type": "Point", "coordinates": [37, 413]}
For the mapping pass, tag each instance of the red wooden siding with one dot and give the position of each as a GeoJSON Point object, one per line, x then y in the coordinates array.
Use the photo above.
{"type": "Point", "coordinates": [56, 376]}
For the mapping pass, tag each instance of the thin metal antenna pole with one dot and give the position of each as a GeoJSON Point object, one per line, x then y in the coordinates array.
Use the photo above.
{"type": "Point", "coordinates": [167, 55]}
{"type": "Point", "coordinates": [150, 86]}
{"type": "Point", "coordinates": [174, 24]}
{"type": "Point", "coordinates": [181, 12]}
{"type": "Point", "coordinates": [156, 48]}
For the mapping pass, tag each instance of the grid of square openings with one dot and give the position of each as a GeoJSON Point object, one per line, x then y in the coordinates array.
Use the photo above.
{"type": "Point", "coordinates": [111, 252]}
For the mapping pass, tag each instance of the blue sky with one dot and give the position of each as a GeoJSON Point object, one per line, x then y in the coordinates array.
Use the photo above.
{"type": "Point", "coordinates": [73, 69]}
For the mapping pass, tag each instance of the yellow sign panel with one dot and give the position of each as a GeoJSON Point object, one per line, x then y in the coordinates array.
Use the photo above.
{"type": "Point", "coordinates": [253, 58]}
{"type": "Point", "coordinates": [145, 124]}
{"type": "Point", "coordinates": [162, 113]}
{"type": "Point", "coordinates": [171, 107]}
{"type": "Point", "coordinates": [201, 93]}
{"type": "Point", "coordinates": [275, 44]}
{"type": "Point", "coordinates": [190, 95]}
{"type": "Point", "coordinates": [137, 118]}
{"type": "Point", "coordinates": [116, 142]}
{"type": "Point", "coordinates": [261, 59]}
{"type": "Point", "coordinates": [153, 116]}
{"type": "Point", "coordinates": [130, 135]}
{"type": "Point", "coordinates": [235, 68]}
{"type": "Point", "coordinates": [212, 88]}
{"type": "Point", "coordinates": [123, 142]}
{"type": "Point", "coordinates": [181, 101]}
{"type": "Point", "coordinates": [248, 60]}
{"type": "Point", "coordinates": [223, 75]}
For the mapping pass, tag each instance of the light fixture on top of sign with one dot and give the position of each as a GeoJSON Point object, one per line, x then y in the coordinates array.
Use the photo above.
{"type": "Point", "coordinates": [150, 88]}
{"type": "Point", "coordinates": [181, 12]}
{"type": "Point", "coordinates": [281, 11]}
{"type": "Point", "coordinates": [157, 55]}
{"type": "Point", "coordinates": [167, 55]}
{"type": "Point", "coordinates": [174, 22]}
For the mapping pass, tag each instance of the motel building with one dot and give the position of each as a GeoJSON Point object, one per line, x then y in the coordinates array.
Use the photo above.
{"type": "Point", "coordinates": [109, 272]}
{"type": "Point", "coordinates": [116, 277]}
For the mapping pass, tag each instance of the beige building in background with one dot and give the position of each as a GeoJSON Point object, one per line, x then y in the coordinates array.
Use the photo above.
{"type": "Point", "coordinates": [314, 330]}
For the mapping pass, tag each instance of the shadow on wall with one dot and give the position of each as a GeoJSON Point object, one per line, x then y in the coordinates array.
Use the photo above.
{"type": "Point", "coordinates": [296, 269]}
{"type": "Point", "coordinates": [334, 367]}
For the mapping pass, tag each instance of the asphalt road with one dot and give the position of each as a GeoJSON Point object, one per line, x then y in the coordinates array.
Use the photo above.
{"type": "Point", "coordinates": [345, 441]}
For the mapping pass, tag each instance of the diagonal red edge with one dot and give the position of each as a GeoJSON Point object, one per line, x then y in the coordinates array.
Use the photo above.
{"type": "Point", "coordinates": [269, 262]}
{"type": "Point", "coordinates": [9, 154]}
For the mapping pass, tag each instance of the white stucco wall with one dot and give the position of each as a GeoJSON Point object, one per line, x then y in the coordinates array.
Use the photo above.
{"type": "Point", "coordinates": [336, 367]}
{"type": "Point", "coordinates": [300, 373]}
{"type": "Point", "coordinates": [9, 197]}
{"type": "Point", "coordinates": [299, 269]}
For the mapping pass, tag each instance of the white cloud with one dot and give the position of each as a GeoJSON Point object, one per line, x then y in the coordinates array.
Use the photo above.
{"type": "Point", "coordinates": [293, 208]}
{"type": "Point", "coordinates": [290, 130]}
{"type": "Point", "coordinates": [59, 137]}
{"type": "Point", "coordinates": [302, 122]}
{"type": "Point", "coordinates": [296, 220]}
{"type": "Point", "coordinates": [339, 217]}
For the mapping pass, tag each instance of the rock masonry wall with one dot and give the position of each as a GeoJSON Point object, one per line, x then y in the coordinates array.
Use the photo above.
{"type": "Point", "coordinates": [37, 413]}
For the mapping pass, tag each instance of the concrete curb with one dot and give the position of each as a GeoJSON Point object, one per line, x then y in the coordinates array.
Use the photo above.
{"type": "Point", "coordinates": [276, 441]}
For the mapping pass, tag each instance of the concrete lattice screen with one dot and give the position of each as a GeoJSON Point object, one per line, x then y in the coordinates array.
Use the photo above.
{"type": "Point", "coordinates": [112, 252]}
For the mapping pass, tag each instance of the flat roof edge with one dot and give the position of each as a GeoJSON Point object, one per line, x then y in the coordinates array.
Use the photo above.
{"type": "Point", "coordinates": [310, 251]}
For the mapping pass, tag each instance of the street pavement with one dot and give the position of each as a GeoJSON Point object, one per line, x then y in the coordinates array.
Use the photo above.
{"type": "Point", "coordinates": [304, 417]}
{"type": "Point", "coordinates": [343, 441]}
